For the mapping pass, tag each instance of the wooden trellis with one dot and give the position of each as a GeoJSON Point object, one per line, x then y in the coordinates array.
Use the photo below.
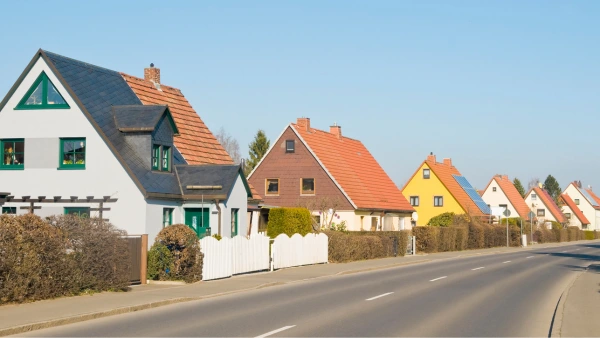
{"type": "Point", "coordinates": [7, 198]}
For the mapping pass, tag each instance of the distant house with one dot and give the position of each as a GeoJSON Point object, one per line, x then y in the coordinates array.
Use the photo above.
{"type": "Point", "coordinates": [501, 192]}
{"type": "Point", "coordinates": [587, 202]}
{"type": "Point", "coordinates": [573, 214]}
{"type": "Point", "coordinates": [334, 176]}
{"type": "Point", "coordinates": [543, 206]}
{"type": "Point", "coordinates": [73, 134]}
{"type": "Point", "coordinates": [436, 188]}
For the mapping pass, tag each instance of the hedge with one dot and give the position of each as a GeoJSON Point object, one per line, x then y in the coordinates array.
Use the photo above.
{"type": "Point", "coordinates": [176, 255]}
{"type": "Point", "coordinates": [361, 245]}
{"type": "Point", "coordinates": [59, 256]}
{"type": "Point", "coordinates": [289, 221]}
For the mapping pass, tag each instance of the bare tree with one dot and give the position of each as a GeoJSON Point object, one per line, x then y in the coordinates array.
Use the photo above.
{"type": "Point", "coordinates": [533, 183]}
{"type": "Point", "coordinates": [327, 207]}
{"type": "Point", "coordinates": [230, 144]}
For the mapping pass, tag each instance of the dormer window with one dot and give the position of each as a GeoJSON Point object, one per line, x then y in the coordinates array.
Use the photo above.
{"type": "Point", "coordinates": [161, 158]}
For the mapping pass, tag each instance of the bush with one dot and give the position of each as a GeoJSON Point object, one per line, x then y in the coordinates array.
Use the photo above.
{"type": "Point", "coordinates": [427, 238]}
{"type": "Point", "coordinates": [184, 246]}
{"type": "Point", "coordinates": [589, 235]}
{"type": "Point", "coordinates": [462, 238]}
{"type": "Point", "coordinates": [160, 262]}
{"type": "Point", "coordinates": [361, 245]}
{"type": "Point", "coordinates": [476, 238]}
{"type": "Point", "coordinates": [289, 221]}
{"type": "Point", "coordinates": [442, 220]}
{"type": "Point", "coordinates": [447, 239]}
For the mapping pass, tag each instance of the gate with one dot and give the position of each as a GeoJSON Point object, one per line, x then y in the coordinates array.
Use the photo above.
{"type": "Point", "coordinates": [138, 255]}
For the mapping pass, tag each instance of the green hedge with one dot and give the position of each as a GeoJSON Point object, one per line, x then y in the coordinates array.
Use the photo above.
{"type": "Point", "coordinates": [360, 245]}
{"type": "Point", "coordinates": [590, 235]}
{"type": "Point", "coordinates": [289, 221]}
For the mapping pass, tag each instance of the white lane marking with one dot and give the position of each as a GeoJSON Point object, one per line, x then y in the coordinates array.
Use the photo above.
{"type": "Point", "coordinates": [530, 257]}
{"type": "Point", "coordinates": [385, 294]}
{"type": "Point", "coordinates": [481, 267]}
{"type": "Point", "coordinates": [275, 331]}
{"type": "Point", "coordinates": [575, 249]}
{"type": "Point", "coordinates": [433, 280]}
{"type": "Point", "coordinates": [505, 262]}
{"type": "Point", "coordinates": [564, 251]}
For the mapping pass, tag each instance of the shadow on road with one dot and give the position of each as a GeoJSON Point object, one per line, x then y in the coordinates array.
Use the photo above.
{"type": "Point", "coordinates": [585, 258]}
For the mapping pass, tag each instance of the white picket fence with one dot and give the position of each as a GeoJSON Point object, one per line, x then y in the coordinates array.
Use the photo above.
{"type": "Point", "coordinates": [218, 258]}
{"type": "Point", "coordinates": [297, 250]}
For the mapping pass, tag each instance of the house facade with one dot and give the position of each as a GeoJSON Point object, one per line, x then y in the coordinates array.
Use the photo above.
{"type": "Point", "coordinates": [436, 188]}
{"type": "Point", "coordinates": [585, 200]}
{"type": "Point", "coordinates": [73, 134]}
{"type": "Point", "coordinates": [574, 216]}
{"type": "Point", "coordinates": [501, 192]}
{"type": "Point", "coordinates": [544, 207]}
{"type": "Point", "coordinates": [334, 176]}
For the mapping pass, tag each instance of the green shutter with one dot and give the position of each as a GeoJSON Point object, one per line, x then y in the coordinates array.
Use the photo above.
{"type": "Point", "coordinates": [42, 95]}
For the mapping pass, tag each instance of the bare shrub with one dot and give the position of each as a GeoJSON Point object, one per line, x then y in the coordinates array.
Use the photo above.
{"type": "Point", "coordinates": [183, 244]}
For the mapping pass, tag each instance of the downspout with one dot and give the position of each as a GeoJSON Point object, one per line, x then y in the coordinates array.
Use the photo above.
{"type": "Point", "coordinates": [219, 215]}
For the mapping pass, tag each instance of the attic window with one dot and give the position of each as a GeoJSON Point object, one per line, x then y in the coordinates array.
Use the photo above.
{"type": "Point", "coordinates": [426, 174]}
{"type": "Point", "coordinates": [290, 147]}
{"type": "Point", "coordinates": [42, 95]}
{"type": "Point", "coordinates": [533, 197]}
{"type": "Point", "coordinates": [494, 189]}
{"type": "Point", "coordinates": [577, 201]}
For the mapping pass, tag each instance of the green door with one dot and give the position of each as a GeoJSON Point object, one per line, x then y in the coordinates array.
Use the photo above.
{"type": "Point", "coordinates": [198, 220]}
{"type": "Point", "coordinates": [234, 222]}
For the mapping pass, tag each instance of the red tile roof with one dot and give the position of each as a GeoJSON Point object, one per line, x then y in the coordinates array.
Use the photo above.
{"type": "Point", "coordinates": [444, 172]}
{"type": "Point", "coordinates": [512, 194]}
{"type": "Point", "coordinates": [576, 212]}
{"type": "Point", "coordinates": [550, 204]}
{"type": "Point", "coordinates": [195, 142]}
{"type": "Point", "coordinates": [356, 171]}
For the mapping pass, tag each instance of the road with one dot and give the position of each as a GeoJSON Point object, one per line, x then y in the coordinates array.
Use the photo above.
{"type": "Point", "coordinates": [511, 294]}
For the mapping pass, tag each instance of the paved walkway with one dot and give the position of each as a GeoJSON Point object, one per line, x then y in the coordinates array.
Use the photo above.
{"type": "Point", "coordinates": [581, 307]}
{"type": "Point", "coordinates": [31, 316]}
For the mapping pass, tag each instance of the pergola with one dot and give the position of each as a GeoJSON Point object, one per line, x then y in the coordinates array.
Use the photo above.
{"type": "Point", "coordinates": [8, 198]}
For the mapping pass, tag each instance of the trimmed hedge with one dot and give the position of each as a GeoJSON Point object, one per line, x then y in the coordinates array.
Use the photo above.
{"type": "Point", "coordinates": [590, 235]}
{"type": "Point", "coordinates": [184, 261]}
{"type": "Point", "coordinates": [360, 245]}
{"type": "Point", "coordinates": [289, 221]}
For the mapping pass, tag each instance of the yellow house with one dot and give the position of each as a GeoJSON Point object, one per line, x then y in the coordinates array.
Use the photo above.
{"type": "Point", "coordinates": [436, 188]}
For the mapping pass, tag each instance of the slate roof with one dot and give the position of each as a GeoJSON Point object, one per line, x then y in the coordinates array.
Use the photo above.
{"type": "Point", "coordinates": [545, 197]}
{"type": "Point", "coordinates": [195, 142]}
{"type": "Point", "coordinates": [512, 194]}
{"type": "Point", "coordinates": [207, 175]}
{"type": "Point", "coordinates": [575, 208]}
{"type": "Point", "coordinates": [357, 172]}
{"type": "Point", "coordinates": [138, 117]}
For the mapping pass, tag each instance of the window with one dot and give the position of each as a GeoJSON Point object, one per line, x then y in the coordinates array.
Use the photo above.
{"type": "Point", "coordinates": [568, 215]}
{"type": "Point", "coordinates": [78, 211]}
{"type": "Point", "coordinates": [541, 212]}
{"type": "Point", "coordinates": [72, 152]}
{"type": "Point", "coordinates": [414, 201]}
{"type": "Point", "coordinates": [533, 197]}
{"type": "Point", "coordinates": [494, 189]}
{"type": "Point", "coordinates": [308, 186]}
{"type": "Point", "coordinates": [161, 158]}
{"type": "Point", "coordinates": [234, 222]}
{"type": "Point", "coordinates": [9, 210]}
{"type": "Point", "coordinates": [577, 201]}
{"type": "Point", "coordinates": [167, 217]}
{"type": "Point", "coordinates": [426, 174]}
{"type": "Point", "coordinates": [272, 186]}
{"type": "Point", "coordinates": [42, 95]}
{"type": "Point", "coordinates": [13, 154]}
{"type": "Point", "coordinates": [290, 146]}
{"type": "Point", "coordinates": [438, 201]}
{"type": "Point", "coordinates": [505, 206]}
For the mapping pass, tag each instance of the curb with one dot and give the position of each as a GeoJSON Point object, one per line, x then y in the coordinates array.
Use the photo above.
{"type": "Point", "coordinates": [556, 326]}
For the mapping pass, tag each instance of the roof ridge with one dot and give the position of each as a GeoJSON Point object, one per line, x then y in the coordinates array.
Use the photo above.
{"type": "Point", "coordinates": [326, 132]}
{"type": "Point", "coordinates": [83, 63]}
{"type": "Point", "coordinates": [142, 79]}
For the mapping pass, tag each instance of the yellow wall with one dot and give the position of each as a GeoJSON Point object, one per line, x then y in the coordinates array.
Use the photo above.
{"type": "Point", "coordinates": [426, 189]}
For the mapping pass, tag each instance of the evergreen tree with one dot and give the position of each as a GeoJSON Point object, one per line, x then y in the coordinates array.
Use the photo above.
{"type": "Point", "coordinates": [258, 149]}
{"type": "Point", "coordinates": [552, 187]}
{"type": "Point", "coordinates": [519, 187]}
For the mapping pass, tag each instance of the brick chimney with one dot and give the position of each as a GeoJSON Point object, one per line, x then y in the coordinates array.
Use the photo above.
{"type": "Point", "coordinates": [303, 123]}
{"type": "Point", "coordinates": [448, 162]}
{"type": "Point", "coordinates": [152, 74]}
{"type": "Point", "coordinates": [431, 157]}
{"type": "Point", "coordinates": [336, 130]}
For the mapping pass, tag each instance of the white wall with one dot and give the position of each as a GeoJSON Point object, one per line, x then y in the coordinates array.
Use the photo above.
{"type": "Point", "coordinates": [495, 198]}
{"type": "Point", "coordinates": [238, 199]}
{"type": "Point", "coordinates": [574, 221]}
{"type": "Point", "coordinates": [584, 205]}
{"type": "Point", "coordinates": [538, 204]}
{"type": "Point", "coordinates": [103, 174]}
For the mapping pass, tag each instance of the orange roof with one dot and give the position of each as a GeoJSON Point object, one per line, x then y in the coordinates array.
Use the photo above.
{"type": "Point", "coordinates": [444, 172]}
{"type": "Point", "coordinates": [569, 202]}
{"type": "Point", "coordinates": [550, 204]}
{"type": "Point", "coordinates": [255, 195]}
{"type": "Point", "coordinates": [195, 142]}
{"type": "Point", "coordinates": [512, 194]}
{"type": "Point", "coordinates": [355, 170]}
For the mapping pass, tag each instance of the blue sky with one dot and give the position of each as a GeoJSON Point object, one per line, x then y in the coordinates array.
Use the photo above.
{"type": "Point", "coordinates": [501, 87]}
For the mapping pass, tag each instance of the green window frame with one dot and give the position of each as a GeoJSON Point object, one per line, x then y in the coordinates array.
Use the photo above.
{"type": "Point", "coordinates": [42, 95]}
{"type": "Point", "coordinates": [9, 210]}
{"type": "Point", "coordinates": [12, 153]}
{"type": "Point", "coordinates": [234, 222]}
{"type": "Point", "coordinates": [167, 217]}
{"type": "Point", "coordinates": [78, 211]}
{"type": "Point", "coordinates": [72, 153]}
{"type": "Point", "coordinates": [161, 158]}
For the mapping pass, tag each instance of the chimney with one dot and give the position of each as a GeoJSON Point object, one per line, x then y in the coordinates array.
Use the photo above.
{"type": "Point", "coordinates": [431, 157]}
{"type": "Point", "coordinates": [336, 130]}
{"type": "Point", "coordinates": [448, 162]}
{"type": "Point", "coordinates": [303, 123]}
{"type": "Point", "coordinates": [152, 74]}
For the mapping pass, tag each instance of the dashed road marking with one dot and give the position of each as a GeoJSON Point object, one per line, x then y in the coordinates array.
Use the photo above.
{"type": "Point", "coordinates": [275, 331]}
{"type": "Point", "coordinates": [530, 257]}
{"type": "Point", "coordinates": [505, 262]}
{"type": "Point", "coordinates": [433, 280]}
{"type": "Point", "coordinates": [481, 267]}
{"type": "Point", "coordinates": [385, 294]}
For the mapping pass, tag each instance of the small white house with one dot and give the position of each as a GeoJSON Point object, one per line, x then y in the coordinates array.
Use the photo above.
{"type": "Point", "coordinates": [584, 199]}
{"type": "Point", "coordinates": [544, 207]}
{"type": "Point", "coordinates": [73, 135]}
{"type": "Point", "coordinates": [501, 192]}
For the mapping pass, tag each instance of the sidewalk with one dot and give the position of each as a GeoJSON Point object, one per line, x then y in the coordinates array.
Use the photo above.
{"type": "Point", "coordinates": [48, 313]}
{"type": "Point", "coordinates": [582, 306]}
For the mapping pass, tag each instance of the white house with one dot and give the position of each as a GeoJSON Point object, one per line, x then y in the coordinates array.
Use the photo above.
{"type": "Point", "coordinates": [573, 214]}
{"type": "Point", "coordinates": [585, 200]}
{"type": "Point", "coordinates": [74, 134]}
{"type": "Point", "coordinates": [544, 207]}
{"type": "Point", "coordinates": [501, 192]}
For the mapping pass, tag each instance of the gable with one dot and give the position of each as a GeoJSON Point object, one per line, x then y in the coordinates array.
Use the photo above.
{"type": "Point", "coordinates": [42, 95]}
{"type": "Point", "coordinates": [426, 189]}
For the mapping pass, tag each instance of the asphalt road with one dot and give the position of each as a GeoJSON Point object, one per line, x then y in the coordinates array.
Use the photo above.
{"type": "Point", "coordinates": [512, 294]}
